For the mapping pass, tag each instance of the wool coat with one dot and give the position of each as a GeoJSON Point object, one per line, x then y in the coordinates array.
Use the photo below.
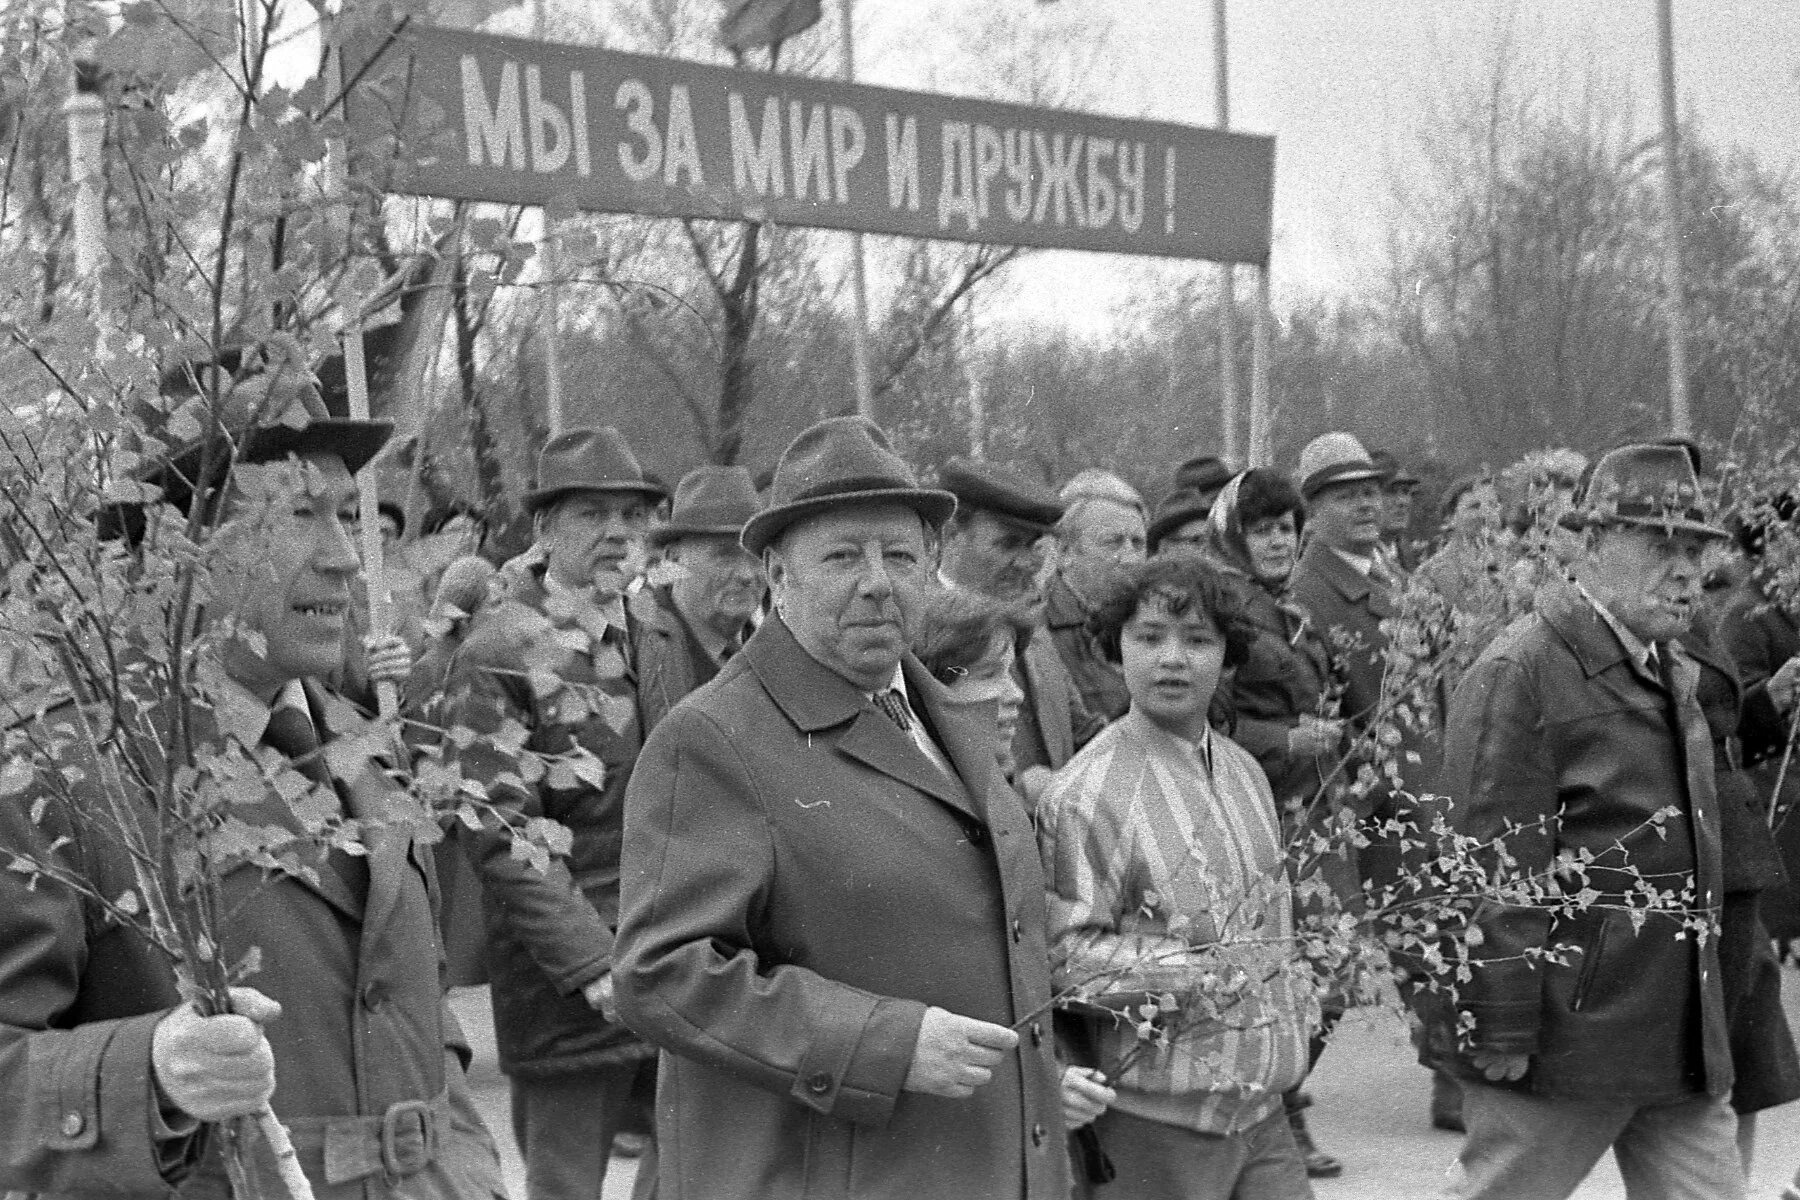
{"type": "Point", "coordinates": [1054, 721]}
{"type": "Point", "coordinates": [363, 1031]}
{"type": "Point", "coordinates": [802, 883]}
{"type": "Point", "coordinates": [1558, 731]}
{"type": "Point", "coordinates": [668, 658]}
{"type": "Point", "coordinates": [551, 932]}
{"type": "Point", "coordinates": [1761, 636]}
{"type": "Point", "coordinates": [1100, 683]}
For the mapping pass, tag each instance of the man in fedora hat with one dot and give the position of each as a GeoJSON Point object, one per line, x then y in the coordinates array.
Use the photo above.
{"type": "Point", "coordinates": [108, 1072]}
{"type": "Point", "coordinates": [994, 546]}
{"type": "Point", "coordinates": [686, 629]}
{"type": "Point", "coordinates": [1578, 735]}
{"type": "Point", "coordinates": [1340, 578]}
{"type": "Point", "coordinates": [555, 657]}
{"type": "Point", "coordinates": [833, 915]}
{"type": "Point", "coordinates": [1205, 475]}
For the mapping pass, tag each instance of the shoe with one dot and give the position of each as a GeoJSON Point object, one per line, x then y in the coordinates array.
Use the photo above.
{"type": "Point", "coordinates": [1319, 1165]}
{"type": "Point", "coordinates": [1446, 1103]}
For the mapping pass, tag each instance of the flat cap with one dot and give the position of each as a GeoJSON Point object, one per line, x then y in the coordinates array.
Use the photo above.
{"type": "Point", "coordinates": [1003, 491]}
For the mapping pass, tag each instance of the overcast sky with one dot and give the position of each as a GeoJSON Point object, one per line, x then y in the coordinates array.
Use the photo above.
{"type": "Point", "coordinates": [1345, 85]}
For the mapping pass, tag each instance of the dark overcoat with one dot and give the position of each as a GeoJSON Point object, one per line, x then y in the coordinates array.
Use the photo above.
{"type": "Point", "coordinates": [1763, 1056]}
{"type": "Point", "coordinates": [1053, 712]}
{"type": "Point", "coordinates": [1347, 609]}
{"type": "Point", "coordinates": [1099, 683]}
{"type": "Point", "coordinates": [363, 1031]}
{"type": "Point", "coordinates": [547, 939]}
{"type": "Point", "coordinates": [1558, 731]}
{"type": "Point", "coordinates": [1761, 636]}
{"type": "Point", "coordinates": [666, 655]}
{"type": "Point", "coordinates": [803, 883]}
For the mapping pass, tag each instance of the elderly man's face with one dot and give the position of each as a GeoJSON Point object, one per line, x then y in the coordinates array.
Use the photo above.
{"type": "Point", "coordinates": [1103, 535]}
{"type": "Point", "coordinates": [999, 559]}
{"type": "Point", "coordinates": [1347, 516]}
{"type": "Point", "coordinates": [595, 539]}
{"type": "Point", "coordinates": [1648, 579]}
{"type": "Point", "coordinates": [285, 569]}
{"type": "Point", "coordinates": [847, 584]}
{"type": "Point", "coordinates": [720, 584]}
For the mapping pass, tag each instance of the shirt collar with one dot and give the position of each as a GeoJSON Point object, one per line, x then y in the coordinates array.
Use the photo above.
{"type": "Point", "coordinates": [897, 684]}
{"type": "Point", "coordinates": [240, 713]}
{"type": "Point", "coordinates": [609, 609]}
{"type": "Point", "coordinates": [1201, 747]}
{"type": "Point", "coordinates": [1636, 647]}
{"type": "Point", "coordinates": [1362, 563]}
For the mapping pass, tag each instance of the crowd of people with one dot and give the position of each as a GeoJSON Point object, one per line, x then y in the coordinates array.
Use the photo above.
{"type": "Point", "coordinates": [961, 838]}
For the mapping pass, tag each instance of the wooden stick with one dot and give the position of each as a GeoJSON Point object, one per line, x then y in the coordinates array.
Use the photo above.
{"type": "Point", "coordinates": [1776, 816]}
{"type": "Point", "coordinates": [356, 383]}
{"type": "Point", "coordinates": [287, 1163]}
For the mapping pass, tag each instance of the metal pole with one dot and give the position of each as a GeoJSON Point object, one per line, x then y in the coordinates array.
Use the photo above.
{"type": "Point", "coordinates": [85, 113]}
{"type": "Point", "coordinates": [1228, 374]}
{"type": "Point", "coordinates": [1674, 290]}
{"type": "Point", "coordinates": [551, 297]}
{"type": "Point", "coordinates": [1261, 448]}
{"type": "Point", "coordinates": [859, 278]}
{"type": "Point", "coordinates": [356, 383]}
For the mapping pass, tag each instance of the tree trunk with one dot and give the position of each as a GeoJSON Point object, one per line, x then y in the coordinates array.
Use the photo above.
{"type": "Point", "coordinates": [737, 384]}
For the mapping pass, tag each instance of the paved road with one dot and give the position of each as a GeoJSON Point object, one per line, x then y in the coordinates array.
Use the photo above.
{"type": "Point", "coordinates": [1369, 1109]}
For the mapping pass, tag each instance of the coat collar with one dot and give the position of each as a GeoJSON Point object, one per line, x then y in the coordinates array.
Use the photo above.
{"type": "Point", "coordinates": [368, 796]}
{"type": "Point", "coordinates": [1336, 570]}
{"type": "Point", "coordinates": [1062, 608]}
{"type": "Point", "coordinates": [816, 698]}
{"type": "Point", "coordinates": [1595, 646]}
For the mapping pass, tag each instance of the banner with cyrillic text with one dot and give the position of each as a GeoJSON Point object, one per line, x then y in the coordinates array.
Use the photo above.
{"type": "Point", "coordinates": [479, 117]}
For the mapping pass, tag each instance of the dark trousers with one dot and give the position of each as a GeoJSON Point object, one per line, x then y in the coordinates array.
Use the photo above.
{"type": "Point", "coordinates": [565, 1125]}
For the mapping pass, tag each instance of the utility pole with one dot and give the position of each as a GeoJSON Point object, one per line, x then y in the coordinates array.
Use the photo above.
{"type": "Point", "coordinates": [1228, 373]}
{"type": "Point", "coordinates": [859, 278]}
{"type": "Point", "coordinates": [1681, 420]}
{"type": "Point", "coordinates": [550, 299]}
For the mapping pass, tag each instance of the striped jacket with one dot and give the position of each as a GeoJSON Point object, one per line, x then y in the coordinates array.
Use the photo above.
{"type": "Point", "coordinates": [1164, 864]}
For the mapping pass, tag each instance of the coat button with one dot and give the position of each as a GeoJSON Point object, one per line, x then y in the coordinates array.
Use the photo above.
{"type": "Point", "coordinates": [72, 1124]}
{"type": "Point", "coordinates": [374, 994]}
{"type": "Point", "coordinates": [1037, 1134]}
{"type": "Point", "coordinates": [976, 835]}
{"type": "Point", "coordinates": [1037, 1034]}
{"type": "Point", "coordinates": [820, 1083]}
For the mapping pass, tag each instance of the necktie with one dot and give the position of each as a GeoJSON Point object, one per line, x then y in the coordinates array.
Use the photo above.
{"type": "Point", "coordinates": [893, 705]}
{"type": "Point", "coordinates": [291, 731]}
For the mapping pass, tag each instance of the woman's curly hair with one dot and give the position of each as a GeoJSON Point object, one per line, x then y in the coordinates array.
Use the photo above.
{"type": "Point", "coordinates": [1181, 583]}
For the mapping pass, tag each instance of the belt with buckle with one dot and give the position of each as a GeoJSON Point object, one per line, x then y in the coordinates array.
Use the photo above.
{"type": "Point", "coordinates": [394, 1144]}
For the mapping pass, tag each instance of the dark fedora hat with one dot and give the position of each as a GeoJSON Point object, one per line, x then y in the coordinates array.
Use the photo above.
{"type": "Point", "coordinates": [839, 462]}
{"type": "Point", "coordinates": [1177, 509]}
{"type": "Point", "coordinates": [1394, 472]}
{"type": "Point", "coordinates": [1334, 458]}
{"type": "Point", "coordinates": [1205, 473]}
{"type": "Point", "coordinates": [709, 500]}
{"type": "Point", "coordinates": [1002, 491]}
{"type": "Point", "coordinates": [1653, 485]}
{"type": "Point", "coordinates": [589, 460]}
{"type": "Point", "coordinates": [263, 417]}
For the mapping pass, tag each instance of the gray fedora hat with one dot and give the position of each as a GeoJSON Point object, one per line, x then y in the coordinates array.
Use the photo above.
{"type": "Point", "coordinates": [1334, 458]}
{"type": "Point", "coordinates": [589, 460]}
{"type": "Point", "coordinates": [709, 500]}
{"type": "Point", "coordinates": [839, 462]}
